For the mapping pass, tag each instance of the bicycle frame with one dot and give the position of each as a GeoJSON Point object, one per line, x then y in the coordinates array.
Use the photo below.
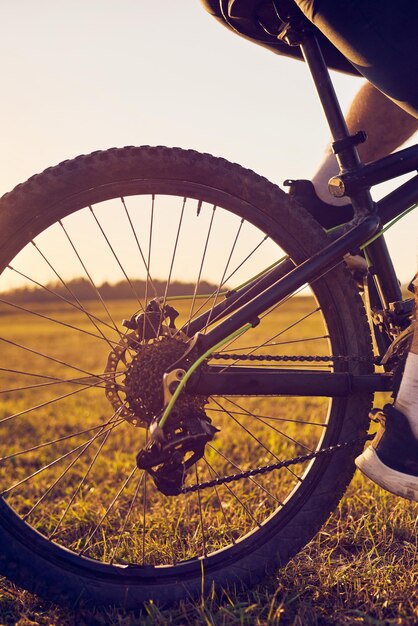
{"type": "Point", "coordinates": [242, 308]}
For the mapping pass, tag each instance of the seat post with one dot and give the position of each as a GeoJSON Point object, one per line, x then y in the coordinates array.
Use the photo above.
{"type": "Point", "coordinates": [348, 158]}
{"type": "Point", "coordinates": [343, 144]}
{"type": "Point", "coordinates": [344, 147]}
{"type": "Point", "coordinates": [298, 31]}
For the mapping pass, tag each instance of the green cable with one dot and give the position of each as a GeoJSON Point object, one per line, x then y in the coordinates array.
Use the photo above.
{"type": "Point", "coordinates": [381, 232]}
{"type": "Point", "coordinates": [193, 368]}
{"type": "Point", "coordinates": [389, 225]}
{"type": "Point", "coordinates": [223, 293]}
{"type": "Point", "coordinates": [201, 296]}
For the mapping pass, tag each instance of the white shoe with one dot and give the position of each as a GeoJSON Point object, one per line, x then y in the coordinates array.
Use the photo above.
{"type": "Point", "coordinates": [391, 460]}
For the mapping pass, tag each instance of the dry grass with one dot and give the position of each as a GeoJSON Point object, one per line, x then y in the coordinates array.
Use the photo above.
{"type": "Point", "coordinates": [361, 568]}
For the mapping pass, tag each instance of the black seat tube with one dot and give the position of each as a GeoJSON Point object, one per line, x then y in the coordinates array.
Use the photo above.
{"type": "Point", "coordinates": [349, 161]}
{"type": "Point", "coordinates": [348, 158]}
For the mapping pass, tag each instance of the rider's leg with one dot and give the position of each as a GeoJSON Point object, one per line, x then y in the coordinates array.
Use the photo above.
{"type": "Point", "coordinates": [381, 43]}
{"type": "Point", "coordinates": [407, 398]}
{"type": "Point", "coordinates": [392, 459]}
{"type": "Point", "coordinates": [387, 127]}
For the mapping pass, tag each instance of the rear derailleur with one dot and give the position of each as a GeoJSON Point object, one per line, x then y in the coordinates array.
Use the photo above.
{"type": "Point", "coordinates": [172, 451]}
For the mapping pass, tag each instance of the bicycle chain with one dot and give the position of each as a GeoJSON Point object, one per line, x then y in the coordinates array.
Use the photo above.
{"type": "Point", "coordinates": [265, 469]}
{"type": "Point", "coordinates": [294, 358]}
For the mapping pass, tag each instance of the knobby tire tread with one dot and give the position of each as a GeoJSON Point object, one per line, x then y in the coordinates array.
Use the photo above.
{"type": "Point", "coordinates": [26, 558]}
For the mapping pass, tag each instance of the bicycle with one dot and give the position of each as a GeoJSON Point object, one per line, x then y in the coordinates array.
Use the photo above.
{"type": "Point", "coordinates": [139, 458]}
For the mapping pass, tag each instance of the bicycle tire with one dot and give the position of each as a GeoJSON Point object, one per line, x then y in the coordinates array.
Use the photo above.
{"type": "Point", "coordinates": [52, 568]}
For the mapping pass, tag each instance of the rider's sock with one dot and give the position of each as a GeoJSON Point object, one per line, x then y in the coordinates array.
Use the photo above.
{"type": "Point", "coordinates": [407, 398]}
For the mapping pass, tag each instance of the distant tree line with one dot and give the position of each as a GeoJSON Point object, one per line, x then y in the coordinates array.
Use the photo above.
{"type": "Point", "coordinates": [82, 289]}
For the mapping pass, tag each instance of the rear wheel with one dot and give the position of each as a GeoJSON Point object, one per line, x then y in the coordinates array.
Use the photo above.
{"type": "Point", "coordinates": [88, 244]}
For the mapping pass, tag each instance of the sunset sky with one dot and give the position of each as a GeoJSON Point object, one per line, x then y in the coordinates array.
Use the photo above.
{"type": "Point", "coordinates": [84, 75]}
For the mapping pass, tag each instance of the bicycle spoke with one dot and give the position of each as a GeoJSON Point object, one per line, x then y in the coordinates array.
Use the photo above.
{"type": "Point", "coordinates": [65, 471]}
{"type": "Point", "coordinates": [173, 256]}
{"type": "Point", "coordinates": [91, 281]}
{"type": "Point", "coordinates": [275, 307]}
{"type": "Point", "coordinates": [202, 528]}
{"type": "Point", "coordinates": [91, 317]}
{"type": "Point", "coordinates": [225, 281]}
{"type": "Point", "coordinates": [109, 508]}
{"type": "Point", "coordinates": [237, 467]}
{"type": "Point", "coordinates": [92, 382]}
{"type": "Point", "coordinates": [255, 438]}
{"type": "Point", "coordinates": [55, 321]}
{"type": "Point", "coordinates": [78, 307]}
{"type": "Point", "coordinates": [263, 421]}
{"type": "Point", "coordinates": [215, 488]}
{"type": "Point", "coordinates": [86, 474]}
{"type": "Point", "coordinates": [146, 264]}
{"type": "Point", "coordinates": [141, 479]}
{"type": "Point", "coordinates": [217, 292]}
{"type": "Point", "coordinates": [116, 258]}
{"type": "Point", "coordinates": [222, 281]}
{"type": "Point", "coordinates": [279, 334]}
{"type": "Point", "coordinates": [144, 511]}
{"type": "Point", "coordinates": [53, 441]}
{"type": "Point", "coordinates": [44, 404]}
{"type": "Point", "coordinates": [48, 466]}
{"type": "Point", "coordinates": [54, 380]}
{"type": "Point", "coordinates": [201, 268]}
{"type": "Point", "coordinates": [100, 377]}
{"type": "Point", "coordinates": [274, 344]}
{"type": "Point", "coordinates": [233, 494]}
{"type": "Point", "coordinates": [255, 280]}
{"type": "Point", "coordinates": [270, 417]}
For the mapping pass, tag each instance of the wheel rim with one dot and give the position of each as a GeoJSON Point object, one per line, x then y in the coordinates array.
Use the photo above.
{"type": "Point", "coordinates": [90, 497]}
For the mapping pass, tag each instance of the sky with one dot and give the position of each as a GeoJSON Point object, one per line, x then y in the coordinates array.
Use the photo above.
{"type": "Point", "coordinates": [84, 75]}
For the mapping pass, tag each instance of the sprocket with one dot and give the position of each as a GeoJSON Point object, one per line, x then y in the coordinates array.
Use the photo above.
{"type": "Point", "coordinates": [144, 376]}
{"type": "Point", "coordinates": [136, 365]}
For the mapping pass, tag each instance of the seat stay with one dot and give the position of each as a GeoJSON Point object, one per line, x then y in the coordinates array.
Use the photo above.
{"type": "Point", "coordinates": [304, 273]}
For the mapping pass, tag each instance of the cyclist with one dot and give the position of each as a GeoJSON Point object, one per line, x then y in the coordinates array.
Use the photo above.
{"type": "Point", "coordinates": [378, 38]}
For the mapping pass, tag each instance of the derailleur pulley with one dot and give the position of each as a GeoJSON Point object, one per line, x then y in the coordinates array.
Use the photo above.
{"type": "Point", "coordinates": [171, 452]}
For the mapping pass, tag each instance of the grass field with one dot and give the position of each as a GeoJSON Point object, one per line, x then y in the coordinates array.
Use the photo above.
{"type": "Point", "coordinates": [361, 568]}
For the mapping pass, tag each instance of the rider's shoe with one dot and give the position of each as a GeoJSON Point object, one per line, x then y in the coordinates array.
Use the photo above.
{"type": "Point", "coordinates": [391, 460]}
{"type": "Point", "coordinates": [326, 214]}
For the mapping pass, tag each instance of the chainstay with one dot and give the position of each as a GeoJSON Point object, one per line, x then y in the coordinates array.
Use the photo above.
{"type": "Point", "coordinates": [265, 469]}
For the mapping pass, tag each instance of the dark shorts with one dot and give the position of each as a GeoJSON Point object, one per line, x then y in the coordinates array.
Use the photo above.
{"type": "Point", "coordinates": [380, 39]}
{"type": "Point", "coordinates": [375, 38]}
{"type": "Point", "coordinates": [242, 22]}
